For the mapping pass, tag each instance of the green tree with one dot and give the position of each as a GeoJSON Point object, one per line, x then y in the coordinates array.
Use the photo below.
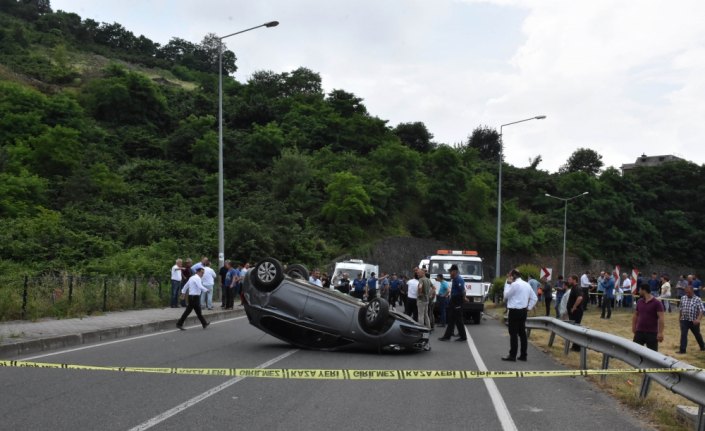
{"type": "Point", "coordinates": [583, 160]}
{"type": "Point", "coordinates": [486, 141]}
{"type": "Point", "coordinates": [415, 136]}
{"type": "Point", "coordinates": [348, 202]}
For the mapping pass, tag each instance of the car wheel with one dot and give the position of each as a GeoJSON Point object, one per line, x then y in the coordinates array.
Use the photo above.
{"type": "Point", "coordinates": [375, 313]}
{"type": "Point", "coordinates": [297, 271]}
{"type": "Point", "coordinates": [267, 274]}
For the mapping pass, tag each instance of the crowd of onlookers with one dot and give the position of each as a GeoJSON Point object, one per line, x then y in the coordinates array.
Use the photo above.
{"type": "Point", "coordinates": [649, 298]}
{"type": "Point", "coordinates": [230, 276]}
{"type": "Point", "coordinates": [424, 302]}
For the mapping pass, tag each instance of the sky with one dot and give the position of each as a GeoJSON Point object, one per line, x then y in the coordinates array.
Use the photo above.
{"type": "Point", "coordinates": [621, 77]}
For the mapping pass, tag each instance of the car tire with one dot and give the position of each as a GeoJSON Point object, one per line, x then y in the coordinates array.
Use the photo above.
{"type": "Point", "coordinates": [266, 274]}
{"type": "Point", "coordinates": [477, 318]}
{"type": "Point", "coordinates": [297, 271]}
{"type": "Point", "coordinates": [374, 313]}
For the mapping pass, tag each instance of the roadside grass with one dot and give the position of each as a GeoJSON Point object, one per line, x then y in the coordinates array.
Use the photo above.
{"type": "Point", "coordinates": [659, 407]}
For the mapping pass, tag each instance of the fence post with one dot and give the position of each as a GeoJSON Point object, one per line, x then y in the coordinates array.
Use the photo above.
{"type": "Point", "coordinates": [645, 384]}
{"type": "Point", "coordinates": [24, 297]}
{"type": "Point", "coordinates": [70, 288]}
{"type": "Point", "coordinates": [134, 294]}
{"type": "Point", "coordinates": [605, 365]}
{"type": "Point", "coordinates": [105, 294]}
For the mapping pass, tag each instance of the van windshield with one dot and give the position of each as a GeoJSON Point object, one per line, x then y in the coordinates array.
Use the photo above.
{"type": "Point", "coordinates": [465, 268]}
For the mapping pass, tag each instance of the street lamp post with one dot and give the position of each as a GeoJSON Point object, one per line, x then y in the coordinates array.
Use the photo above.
{"type": "Point", "coordinates": [565, 222]}
{"type": "Point", "coordinates": [499, 189]}
{"type": "Point", "coordinates": [221, 210]}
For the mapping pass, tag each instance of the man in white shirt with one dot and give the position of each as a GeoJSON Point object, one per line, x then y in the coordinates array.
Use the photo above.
{"type": "Point", "coordinates": [176, 283]}
{"type": "Point", "coordinates": [194, 287]}
{"type": "Point", "coordinates": [627, 290]}
{"type": "Point", "coordinates": [585, 288]}
{"type": "Point", "coordinates": [520, 298]}
{"type": "Point", "coordinates": [208, 281]}
{"type": "Point", "coordinates": [315, 278]}
{"type": "Point", "coordinates": [412, 295]}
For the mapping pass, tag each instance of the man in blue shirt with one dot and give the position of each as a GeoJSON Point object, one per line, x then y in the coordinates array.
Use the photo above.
{"type": "Point", "coordinates": [608, 295]}
{"type": "Point", "coordinates": [359, 286]}
{"type": "Point", "coordinates": [455, 308]}
{"type": "Point", "coordinates": [394, 290]}
{"type": "Point", "coordinates": [697, 291]}
{"type": "Point", "coordinates": [442, 298]}
{"type": "Point", "coordinates": [371, 287]}
{"type": "Point", "coordinates": [655, 284]}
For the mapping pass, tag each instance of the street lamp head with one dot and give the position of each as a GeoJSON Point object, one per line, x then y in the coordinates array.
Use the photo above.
{"type": "Point", "coordinates": [540, 117]}
{"type": "Point", "coordinates": [547, 195]}
{"type": "Point", "coordinates": [271, 24]}
{"type": "Point", "coordinates": [585, 193]}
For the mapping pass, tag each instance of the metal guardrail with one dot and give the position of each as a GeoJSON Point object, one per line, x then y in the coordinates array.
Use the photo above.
{"type": "Point", "coordinates": [690, 385]}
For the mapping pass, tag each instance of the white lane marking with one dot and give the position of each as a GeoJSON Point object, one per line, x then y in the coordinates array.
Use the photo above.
{"type": "Point", "coordinates": [122, 340]}
{"type": "Point", "coordinates": [500, 407]}
{"type": "Point", "coordinates": [198, 398]}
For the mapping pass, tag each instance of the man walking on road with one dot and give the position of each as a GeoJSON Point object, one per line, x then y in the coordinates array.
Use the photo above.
{"type": "Point", "coordinates": [648, 319]}
{"type": "Point", "coordinates": [520, 299]}
{"type": "Point", "coordinates": [455, 308]}
{"type": "Point", "coordinates": [194, 287]}
{"type": "Point", "coordinates": [691, 313]}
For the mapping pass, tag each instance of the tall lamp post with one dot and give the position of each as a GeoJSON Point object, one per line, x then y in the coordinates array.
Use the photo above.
{"type": "Point", "coordinates": [499, 189]}
{"type": "Point", "coordinates": [221, 210]}
{"type": "Point", "coordinates": [565, 222]}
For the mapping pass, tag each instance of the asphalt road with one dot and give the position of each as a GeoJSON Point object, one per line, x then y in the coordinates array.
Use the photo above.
{"type": "Point", "coordinates": [43, 399]}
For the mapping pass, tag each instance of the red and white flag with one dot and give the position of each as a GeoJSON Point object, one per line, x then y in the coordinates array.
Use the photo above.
{"type": "Point", "coordinates": [635, 277]}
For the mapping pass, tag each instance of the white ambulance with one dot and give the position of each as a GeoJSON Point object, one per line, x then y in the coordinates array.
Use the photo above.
{"type": "Point", "coordinates": [353, 267]}
{"type": "Point", "coordinates": [470, 268]}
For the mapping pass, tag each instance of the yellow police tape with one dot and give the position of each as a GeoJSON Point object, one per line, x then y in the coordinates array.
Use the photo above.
{"type": "Point", "coordinates": [319, 374]}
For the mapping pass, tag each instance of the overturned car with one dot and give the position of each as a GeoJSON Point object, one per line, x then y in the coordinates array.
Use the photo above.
{"type": "Point", "coordinates": [284, 304]}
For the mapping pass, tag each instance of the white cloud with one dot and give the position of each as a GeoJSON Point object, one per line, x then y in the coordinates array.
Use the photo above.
{"type": "Point", "coordinates": [622, 77]}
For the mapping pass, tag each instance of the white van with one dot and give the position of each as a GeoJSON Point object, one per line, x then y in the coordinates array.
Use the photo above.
{"type": "Point", "coordinates": [353, 267]}
{"type": "Point", "coordinates": [470, 268]}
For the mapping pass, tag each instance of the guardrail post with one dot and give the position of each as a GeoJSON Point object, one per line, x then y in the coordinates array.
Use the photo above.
{"type": "Point", "coordinates": [105, 294]}
{"type": "Point", "coordinates": [645, 384]}
{"type": "Point", "coordinates": [551, 339]}
{"type": "Point", "coordinates": [24, 297]}
{"type": "Point", "coordinates": [583, 357]}
{"type": "Point", "coordinates": [134, 294]}
{"type": "Point", "coordinates": [159, 287]}
{"type": "Point", "coordinates": [70, 288]}
{"type": "Point", "coordinates": [566, 347]}
{"type": "Point", "coordinates": [605, 365]}
{"type": "Point", "coordinates": [528, 333]}
{"type": "Point", "coordinates": [701, 418]}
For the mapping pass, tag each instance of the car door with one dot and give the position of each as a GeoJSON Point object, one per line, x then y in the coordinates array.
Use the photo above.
{"type": "Point", "coordinates": [327, 313]}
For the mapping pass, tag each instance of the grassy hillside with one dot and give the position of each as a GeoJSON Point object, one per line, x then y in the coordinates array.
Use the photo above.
{"type": "Point", "coordinates": [108, 164]}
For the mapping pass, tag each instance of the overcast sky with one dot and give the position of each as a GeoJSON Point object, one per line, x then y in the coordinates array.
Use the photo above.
{"type": "Point", "coordinates": [622, 77]}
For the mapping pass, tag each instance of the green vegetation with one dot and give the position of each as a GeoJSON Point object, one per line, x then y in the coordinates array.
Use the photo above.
{"type": "Point", "coordinates": [108, 165]}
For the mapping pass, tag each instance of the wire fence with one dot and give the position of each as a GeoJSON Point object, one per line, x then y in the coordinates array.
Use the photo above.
{"type": "Point", "coordinates": [62, 296]}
